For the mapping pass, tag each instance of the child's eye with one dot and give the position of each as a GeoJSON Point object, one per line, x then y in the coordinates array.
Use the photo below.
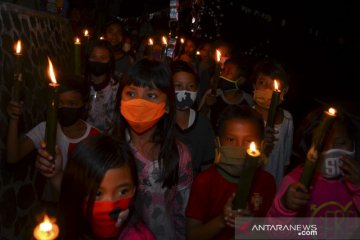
{"type": "Point", "coordinates": [229, 140]}
{"type": "Point", "coordinates": [130, 94]}
{"type": "Point", "coordinates": [178, 87]}
{"type": "Point", "coordinates": [98, 195]}
{"type": "Point", "coordinates": [123, 191]}
{"type": "Point", "coordinates": [152, 95]}
{"type": "Point", "coordinates": [192, 87]}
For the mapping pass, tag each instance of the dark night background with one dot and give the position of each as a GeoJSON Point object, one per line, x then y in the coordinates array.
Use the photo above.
{"type": "Point", "coordinates": [318, 42]}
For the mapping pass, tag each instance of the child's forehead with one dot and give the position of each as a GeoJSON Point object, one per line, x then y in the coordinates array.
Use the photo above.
{"type": "Point", "coordinates": [241, 126]}
{"type": "Point", "coordinates": [134, 86]}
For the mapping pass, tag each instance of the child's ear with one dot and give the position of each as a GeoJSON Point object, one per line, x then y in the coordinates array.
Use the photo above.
{"type": "Point", "coordinates": [285, 90]}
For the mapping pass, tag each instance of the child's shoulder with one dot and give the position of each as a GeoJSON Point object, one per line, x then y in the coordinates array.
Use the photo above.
{"type": "Point", "coordinates": [287, 115]}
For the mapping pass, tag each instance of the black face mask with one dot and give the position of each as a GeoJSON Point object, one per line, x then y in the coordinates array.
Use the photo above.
{"type": "Point", "coordinates": [117, 47]}
{"type": "Point", "coordinates": [98, 68]}
{"type": "Point", "coordinates": [226, 84]}
{"type": "Point", "coordinates": [69, 116]}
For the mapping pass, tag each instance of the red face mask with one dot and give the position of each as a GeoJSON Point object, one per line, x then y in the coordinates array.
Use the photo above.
{"type": "Point", "coordinates": [140, 114]}
{"type": "Point", "coordinates": [105, 214]}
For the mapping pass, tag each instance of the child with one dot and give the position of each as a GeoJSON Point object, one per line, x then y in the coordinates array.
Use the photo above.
{"type": "Point", "coordinates": [192, 127]}
{"type": "Point", "coordinates": [189, 54]}
{"type": "Point", "coordinates": [73, 95]}
{"type": "Point", "coordinates": [209, 211]}
{"type": "Point", "coordinates": [335, 189]}
{"type": "Point", "coordinates": [97, 193]}
{"type": "Point", "coordinates": [279, 146]}
{"type": "Point", "coordinates": [228, 91]}
{"type": "Point", "coordinates": [104, 86]}
{"type": "Point", "coordinates": [114, 33]}
{"type": "Point", "coordinates": [164, 164]}
{"type": "Point", "coordinates": [206, 67]}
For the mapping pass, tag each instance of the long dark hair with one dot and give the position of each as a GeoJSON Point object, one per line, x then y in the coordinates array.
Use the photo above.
{"type": "Point", "coordinates": [84, 172]}
{"type": "Point", "coordinates": [304, 134]}
{"type": "Point", "coordinates": [150, 73]}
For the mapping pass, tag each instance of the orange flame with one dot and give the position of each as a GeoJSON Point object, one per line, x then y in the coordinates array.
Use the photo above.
{"type": "Point", "coordinates": [182, 40]}
{"type": "Point", "coordinates": [164, 40]}
{"type": "Point", "coordinates": [86, 33]}
{"type": "Point", "coordinates": [51, 72]}
{"type": "Point", "coordinates": [151, 42]}
{"type": "Point", "coordinates": [253, 147]}
{"type": "Point", "coordinates": [276, 85]}
{"type": "Point", "coordinates": [218, 55]}
{"type": "Point", "coordinates": [46, 230]}
{"type": "Point", "coordinates": [77, 41]}
{"type": "Point", "coordinates": [331, 111]}
{"type": "Point", "coordinates": [18, 47]}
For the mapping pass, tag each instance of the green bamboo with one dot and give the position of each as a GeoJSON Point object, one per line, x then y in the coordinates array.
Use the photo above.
{"type": "Point", "coordinates": [77, 59]}
{"type": "Point", "coordinates": [245, 182]}
{"type": "Point", "coordinates": [275, 100]}
{"type": "Point", "coordinates": [51, 120]}
{"type": "Point", "coordinates": [18, 87]}
{"type": "Point", "coordinates": [318, 141]}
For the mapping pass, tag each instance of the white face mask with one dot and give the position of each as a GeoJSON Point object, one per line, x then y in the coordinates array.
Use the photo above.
{"type": "Point", "coordinates": [330, 162]}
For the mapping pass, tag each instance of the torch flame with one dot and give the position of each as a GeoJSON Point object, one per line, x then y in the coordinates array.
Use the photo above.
{"type": "Point", "coordinates": [182, 40]}
{"type": "Point", "coordinates": [86, 33]}
{"type": "Point", "coordinates": [218, 55]}
{"type": "Point", "coordinates": [252, 147]}
{"type": "Point", "coordinates": [198, 53]}
{"type": "Point", "coordinates": [276, 85]}
{"type": "Point", "coordinates": [46, 230]}
{"type": "Point", "coordinates": [164, 40]}
{"type": "Point", "coordinates": [51, 72]}
{"type": "Point", "coordinates": [46, 225]}
{"type": "Point", "coordinates": [332, 111]}
{"type": "Point", "coordinates": [18, 47]}
{"type": "Point", "coordinates": [101, 38]}
{"type": "Point", "coordinates": [151, 42]}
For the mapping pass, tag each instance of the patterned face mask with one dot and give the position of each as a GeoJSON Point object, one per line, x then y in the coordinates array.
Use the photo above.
{"type": "Point", "coordinates": [331, 162]}
{"type": "Point", "coordinates": [185, 99]}
{"type": "Point", "coordinates": [105, 214]}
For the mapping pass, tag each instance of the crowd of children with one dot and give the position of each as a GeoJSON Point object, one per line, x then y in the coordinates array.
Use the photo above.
{"type": "Point", "coordinates": [152, 150]}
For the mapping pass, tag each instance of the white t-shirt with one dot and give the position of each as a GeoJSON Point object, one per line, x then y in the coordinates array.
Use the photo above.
{"type": "Point", "coordinates": [38, 133]}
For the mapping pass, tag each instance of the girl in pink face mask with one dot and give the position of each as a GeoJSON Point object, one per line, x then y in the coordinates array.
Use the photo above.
{"type": "Point", "coordinates": [101, 180]}
{"type": "Point", "coordinates": [335, 187]}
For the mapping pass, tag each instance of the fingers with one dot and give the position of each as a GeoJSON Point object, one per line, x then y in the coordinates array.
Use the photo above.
{"type": "Point", "coordinates": [123, 215]}
{"type": "Point", "coordinates": [15, 110]}
{"type": "Point", "coordinates": [44, 162]}
{"type": "Point", "coordinates": [350, 170]}
{"type": "Point", "coordinates": [296, 196]}
{"type": "Point", "coordinates": [45, 167]}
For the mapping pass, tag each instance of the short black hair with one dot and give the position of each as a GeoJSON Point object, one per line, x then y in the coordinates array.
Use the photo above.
{"type": "Point", "coordinates": [243, 112]}
{"type": "Point", "coordinates": [182, 66]}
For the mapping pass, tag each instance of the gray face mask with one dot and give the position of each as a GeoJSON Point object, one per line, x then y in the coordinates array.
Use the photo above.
{"type": "Point", "coordinates": [330, 162]}
{"type": "Point", "coordinates": [231, 159]}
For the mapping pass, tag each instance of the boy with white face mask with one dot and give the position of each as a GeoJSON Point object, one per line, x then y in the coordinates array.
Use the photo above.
{"type": "Point", "coordinates": [193, 128]}
{"type": "Point", "coordinates": [278, 145]}
{"type": "Point", "coordinates": [335, 188]}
